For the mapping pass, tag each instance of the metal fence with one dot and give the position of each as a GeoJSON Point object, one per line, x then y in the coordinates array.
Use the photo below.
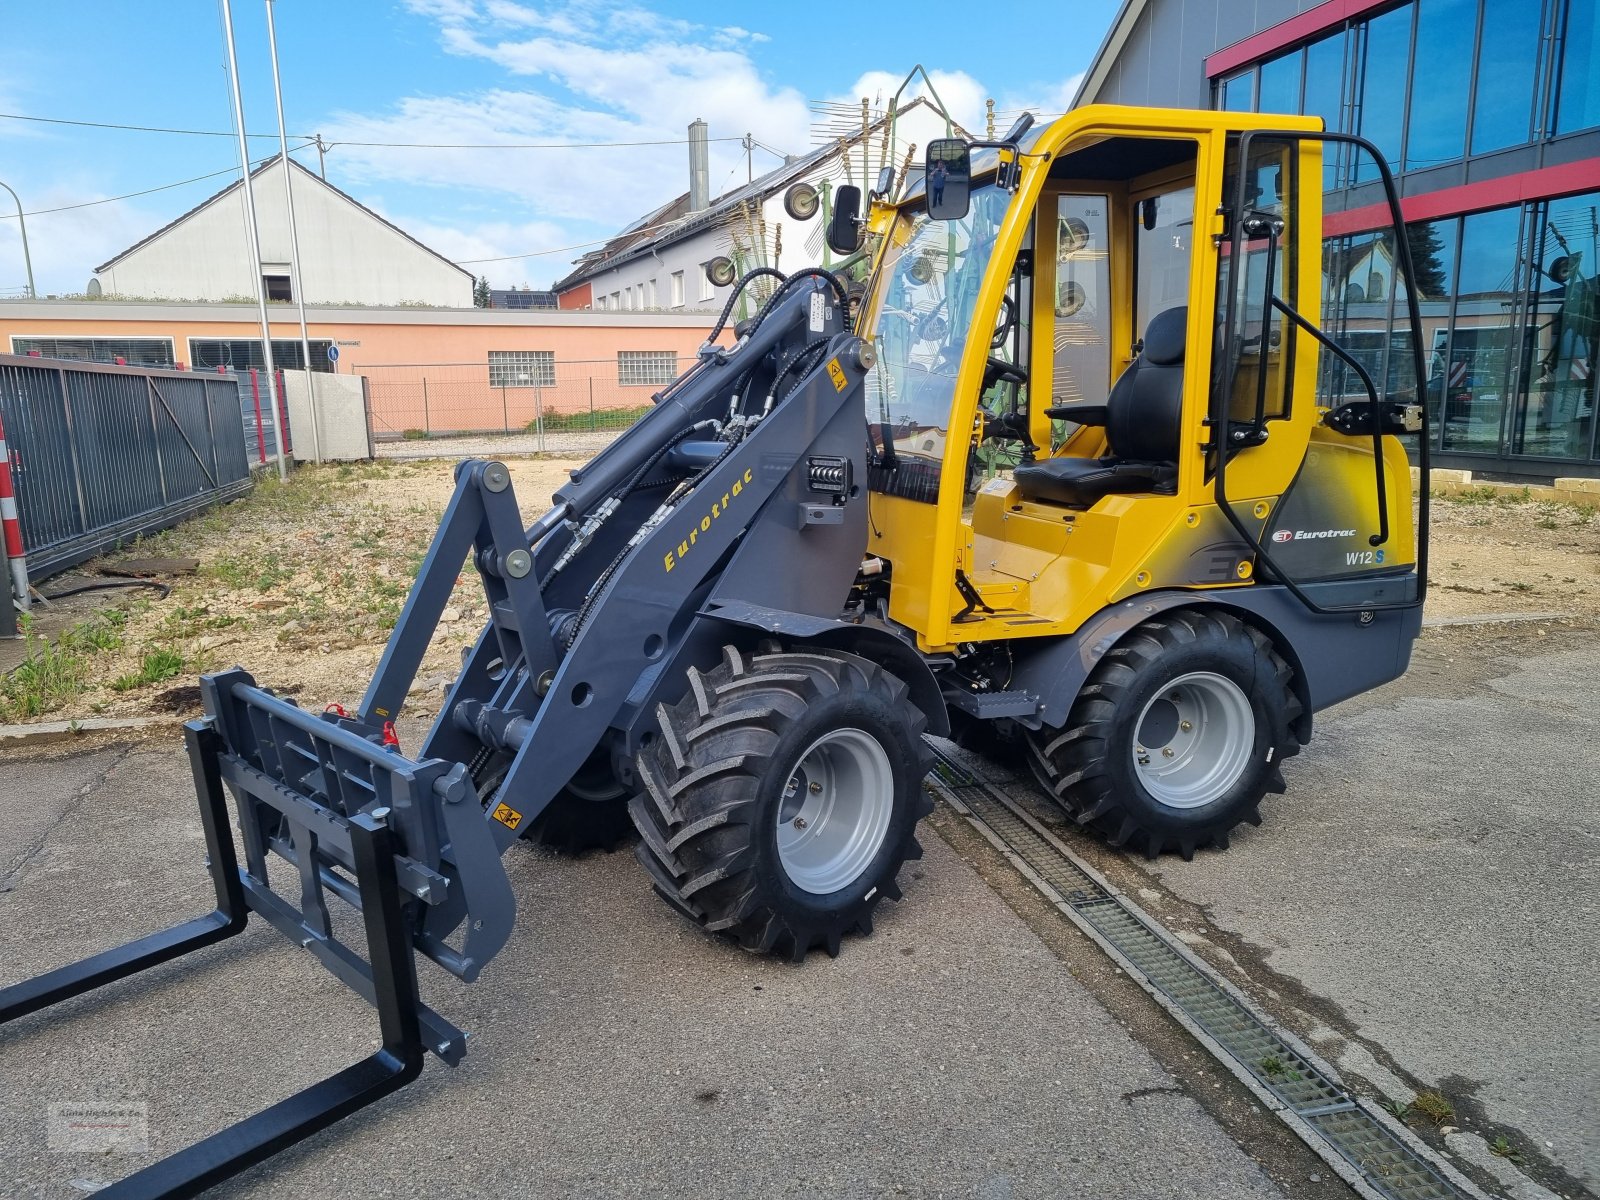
{"type": "Point", "coordinates": [101, 454]}
{"type": "Point", "coordinates": [418, 400]}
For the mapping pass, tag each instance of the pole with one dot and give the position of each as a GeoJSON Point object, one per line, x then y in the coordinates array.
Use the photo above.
{"type": "Point", "coordinates": [250, 217]}
{"type": "Point", "coordinates": [294, 245]}
{"type": "Point", "coordinates": [27, 258]}
{"type": "Point", "coordinates": [11, 539]}
{"type": "Point", "coordinates": [322, 158]}
{"type": "Point", "coordinates": [261, 432]}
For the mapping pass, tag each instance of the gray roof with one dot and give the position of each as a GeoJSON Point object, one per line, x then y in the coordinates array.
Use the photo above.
{"type": "Point", "coordinates": [673, 221]}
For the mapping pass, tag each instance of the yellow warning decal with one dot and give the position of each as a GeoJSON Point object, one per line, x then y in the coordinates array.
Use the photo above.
{"type": "Point", "coordinates": [507, 816]}
{"type": "Point", "coordinates": [836, 373]}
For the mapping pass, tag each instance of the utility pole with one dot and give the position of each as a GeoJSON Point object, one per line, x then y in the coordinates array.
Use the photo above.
{"type": "Point", "coordinates": [254, 233]}
{"type": "Point", "coordinates": [322, 153]}
{"type": "Point", "coordinates": [749, 158]}
{"type": "Point", "coordinates": [27, 258]}
{"type": "Point", "coordinates": [294, 245]}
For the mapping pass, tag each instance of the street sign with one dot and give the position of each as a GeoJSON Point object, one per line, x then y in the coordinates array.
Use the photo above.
{"type": "Point", "coordinates": [333, 353]}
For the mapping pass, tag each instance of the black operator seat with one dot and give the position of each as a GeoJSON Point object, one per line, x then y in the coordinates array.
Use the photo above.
{"type": "Point", "coordinates": [1143, 422]}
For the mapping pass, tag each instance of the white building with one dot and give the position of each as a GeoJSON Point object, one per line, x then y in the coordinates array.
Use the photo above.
{"type": "Point", "coordinates": [660, 261]}
{"type": "Point", "coordinates": [348, 253]}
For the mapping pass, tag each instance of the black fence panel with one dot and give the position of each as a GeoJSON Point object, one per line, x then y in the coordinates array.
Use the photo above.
{"type": "Point", "coordinates": [101, 454]}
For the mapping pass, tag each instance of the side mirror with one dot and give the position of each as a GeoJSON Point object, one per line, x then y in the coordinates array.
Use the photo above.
{"type": "Point", "coordinates": [949, 179]}
{"type": "Point", "coordinates": [844, 225]}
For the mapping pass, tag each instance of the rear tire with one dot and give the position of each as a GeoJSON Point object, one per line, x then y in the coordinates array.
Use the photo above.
{"type": "Point", "coordinates": [1176, 737]}
{"type": "Point", "coordinates": [781, 798]}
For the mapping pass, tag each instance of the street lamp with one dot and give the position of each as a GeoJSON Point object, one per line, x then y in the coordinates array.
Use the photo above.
{"type": "Point", "coordinates": [26, 257]}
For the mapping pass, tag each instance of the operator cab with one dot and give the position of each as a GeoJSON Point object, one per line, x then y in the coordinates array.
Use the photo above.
{"type": "Point", "coordinates": [1071, 376]}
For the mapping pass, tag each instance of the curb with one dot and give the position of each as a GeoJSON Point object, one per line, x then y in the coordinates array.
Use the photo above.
{"type": "Point", "coordinates": [44, 733]}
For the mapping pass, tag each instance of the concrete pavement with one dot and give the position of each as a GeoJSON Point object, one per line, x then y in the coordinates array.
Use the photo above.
{"type": "Point", "coordinates": [1423, 903]}
{"type": "Point", "coordinates": [616, 1051]}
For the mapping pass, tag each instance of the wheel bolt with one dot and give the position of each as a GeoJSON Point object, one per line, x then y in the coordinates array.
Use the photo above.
{"type": "Point", "coordinates": [799, 822]}
{"type": "Point", "coordinates": [1186, 725]}
{"type": "Point", "coordinates": [1166, 752]}
{"type": "Point", "coordinates": [816, 788]}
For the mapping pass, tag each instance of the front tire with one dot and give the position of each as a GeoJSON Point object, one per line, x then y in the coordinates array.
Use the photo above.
{"type": "Point", "coordinates": [1176, 737]}
{"type": "Point", "coordinates": [782, 796]}
{"type": "Point", "coordinates": [589, 813]}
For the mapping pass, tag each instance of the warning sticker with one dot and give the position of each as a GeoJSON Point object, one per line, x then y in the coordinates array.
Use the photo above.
{"type": "Point", "coordinates": [507, 816]}
{"type": "Point", "coordinates": [836, 373]}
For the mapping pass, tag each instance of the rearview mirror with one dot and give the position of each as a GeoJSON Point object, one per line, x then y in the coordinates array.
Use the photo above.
{"type": "Point", "coordinates": [844, 225]}
{"type": "Point", "coordinates": [949, 178]}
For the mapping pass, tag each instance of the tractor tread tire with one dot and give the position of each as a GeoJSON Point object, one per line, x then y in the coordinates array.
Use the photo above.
{"type": "Point", "coordinates": [1080, 766]}
{"type": "Point", "coordinates": [701, 819]}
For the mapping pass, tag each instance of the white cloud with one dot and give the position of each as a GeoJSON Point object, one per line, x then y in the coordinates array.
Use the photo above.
{"type": "Point", "coordinates": [590, 71]}
{"type": "Point", "coordinates": [597, 71]}
{"type": "Point", "coordinates": [66, 246]}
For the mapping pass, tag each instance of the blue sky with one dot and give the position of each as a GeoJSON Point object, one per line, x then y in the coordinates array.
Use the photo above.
{"type": "Point", "coordinates": [470, 71]}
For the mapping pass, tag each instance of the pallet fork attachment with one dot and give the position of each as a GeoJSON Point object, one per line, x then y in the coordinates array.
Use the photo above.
{"type": "Point", "coordinates": [398, 1061]}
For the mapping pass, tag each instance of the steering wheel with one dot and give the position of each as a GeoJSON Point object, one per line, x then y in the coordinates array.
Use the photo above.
{"type": "Point", "coordinates": [1012, 425]}
{"type": "Point", "coordinates": [1008, 322]}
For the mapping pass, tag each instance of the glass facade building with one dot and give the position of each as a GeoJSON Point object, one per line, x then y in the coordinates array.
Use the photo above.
{"type": "Point", "coordinates": [1488, 112]}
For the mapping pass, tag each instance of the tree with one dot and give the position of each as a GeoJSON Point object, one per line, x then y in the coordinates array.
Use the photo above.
{"type": "Point", "coordinates": [480, 293]}
{"type": "Point", "coordinates": [1427, 262]}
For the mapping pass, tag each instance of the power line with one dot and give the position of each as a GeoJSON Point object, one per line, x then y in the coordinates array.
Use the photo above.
{"type": "Point", "coordinates": [140, 128]}
{"type": "Point", "coordinates": [384, 145]}
{"type": "Point", "coordinates": [147, 191]}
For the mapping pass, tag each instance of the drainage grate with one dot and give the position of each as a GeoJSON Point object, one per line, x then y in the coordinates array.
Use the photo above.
{"type": "Point", "coordinates": [1374, 1158]}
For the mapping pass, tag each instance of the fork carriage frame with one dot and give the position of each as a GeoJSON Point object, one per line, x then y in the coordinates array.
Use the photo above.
{"type": "Point", "coordinates": [409, 843]}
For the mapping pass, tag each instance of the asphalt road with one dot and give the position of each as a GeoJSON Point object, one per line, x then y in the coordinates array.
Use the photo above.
{"type": "Point", "coordinates": [617, 1052]}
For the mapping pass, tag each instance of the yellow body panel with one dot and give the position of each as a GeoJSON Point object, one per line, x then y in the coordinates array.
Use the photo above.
{"type": "Point", "coordinates": [1046, 569]}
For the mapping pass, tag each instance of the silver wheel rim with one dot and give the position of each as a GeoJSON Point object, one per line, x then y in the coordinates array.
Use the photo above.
{"type": "Point", "coordinates": [835, 811]}
{"type": "Point", "coordinates": [1194, 740]}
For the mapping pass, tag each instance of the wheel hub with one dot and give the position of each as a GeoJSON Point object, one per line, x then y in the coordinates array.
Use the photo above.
{"type": "Point", "coordinates": [1194, 740]}
{"type": "Point", "coordinates": [835, 811]}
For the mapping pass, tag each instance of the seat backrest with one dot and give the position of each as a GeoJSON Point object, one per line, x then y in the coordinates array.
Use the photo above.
{"type": "Point", "coordinates": [1145, 407]}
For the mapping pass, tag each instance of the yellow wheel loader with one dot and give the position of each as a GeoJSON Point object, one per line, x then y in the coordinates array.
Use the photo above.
{"type": "Point", "coordinates": [1083, 481]}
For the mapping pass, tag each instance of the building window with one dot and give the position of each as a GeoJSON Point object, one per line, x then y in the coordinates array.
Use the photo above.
{"type": "Point", "coordinates": [646, 368]}
{"type": "Point", "coordinates": [1441, 78]}
{"type": "Point", "coordinates": [1578, 105]}
{"type": "Point", "coordinates": [135, 352]}
{"type": "Point", "coordinates": [677, 289]}
{"type": "Point", "coordinates": [708, 290]}
{"type": "Point", "coordinates": [649, 294]}
{"type": "Point", "coordinates": [1508, 59]}
{"type": "Point", "coordinates": [522, 368]}
{"type": "Point", "coordinates": [278, 288]}
{"type": "Point", "coordinates": [1384, 63]}
{"type": "Point", "coordinates": [1280, 85]}
{"type": "Point", "coordinates": [1237, 93]}
{"type": "Point", "coordinates": [616, 301]}
{"type": "Point", "coordinates": [244, 354]}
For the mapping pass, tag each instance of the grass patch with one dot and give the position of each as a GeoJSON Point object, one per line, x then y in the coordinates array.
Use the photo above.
{"type": "Point", "coordinates": [414, 435]}
{"type": "Point", "coordinates": [1434, 1106]}
{"type": "Point", "coordinates": [1502, 1148]}
{"type": "Point", "coordinates": [156, 666]}
{"type": "Point", "coordinates": [584, 421]}
{"type": "Point", "coordinates": [54, 672]}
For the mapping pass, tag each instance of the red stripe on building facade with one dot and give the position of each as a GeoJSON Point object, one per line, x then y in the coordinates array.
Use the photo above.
{"type": "Point", "coordinates": [1542, 184]}
{"type": "Point", "coordinates": [1287, 33]}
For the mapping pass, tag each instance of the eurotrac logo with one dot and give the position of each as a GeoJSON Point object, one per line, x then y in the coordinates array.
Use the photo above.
{"type": "Point", "coordinates": [718, 509]}
{"type": "Point", "coordinates": [1311, 535]}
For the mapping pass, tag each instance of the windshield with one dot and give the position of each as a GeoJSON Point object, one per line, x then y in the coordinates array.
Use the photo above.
{"type": "Point", "coordinates": [922, 318]}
